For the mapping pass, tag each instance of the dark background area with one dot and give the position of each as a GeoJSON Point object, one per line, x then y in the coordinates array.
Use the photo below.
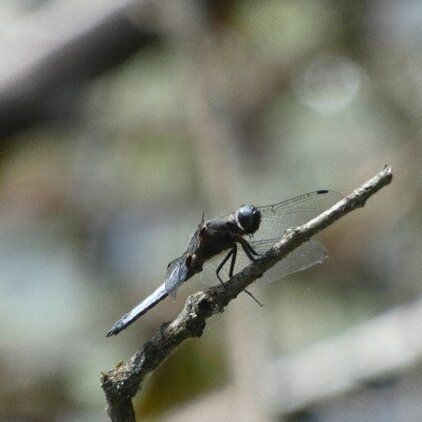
{"type": "Point", "coordinates": [121, 122]}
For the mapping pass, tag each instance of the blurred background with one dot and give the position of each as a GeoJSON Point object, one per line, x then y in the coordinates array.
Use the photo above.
{"type": "Point", "coordinates": [121, 122]}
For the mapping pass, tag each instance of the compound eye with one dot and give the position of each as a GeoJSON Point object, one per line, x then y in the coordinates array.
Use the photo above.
{"type": "Point", "coordinates": [246, 216]}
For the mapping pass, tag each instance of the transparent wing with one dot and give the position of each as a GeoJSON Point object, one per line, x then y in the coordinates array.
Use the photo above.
{"type": "Point", "coordinates": [276, 218]}
{"type": "Point", "coordinates": [177, 273]}
{"type": "Point", "coordinates": [303, 257]}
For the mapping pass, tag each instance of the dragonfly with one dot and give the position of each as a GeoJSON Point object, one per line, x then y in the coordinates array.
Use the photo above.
{"type": "Point", "coordinates": [222, 246]}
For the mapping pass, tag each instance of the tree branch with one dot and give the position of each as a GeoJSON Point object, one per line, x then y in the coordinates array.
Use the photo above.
{"type": "Point", "coordinates": [121, 384]}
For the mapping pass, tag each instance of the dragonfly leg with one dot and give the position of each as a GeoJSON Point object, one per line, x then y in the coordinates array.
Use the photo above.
{"type": "Point", "coordinates": [232, 270]}
{"type": "Point", "coordinates": [232, 254]}
{"type": "Point", "coordinates": [253, 297]}
{"type": "Point", "coordinates": [250, 252]}
{"type": "Point", "coordinates": [233, 261]}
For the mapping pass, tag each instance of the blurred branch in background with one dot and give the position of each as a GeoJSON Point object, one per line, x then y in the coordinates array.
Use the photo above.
{"type": "Point", "coordinates": [49, 57]}
{"type": "Point", "coordinates": [376, 350]}
{"type": "Point", "coordinates": [121, 384]}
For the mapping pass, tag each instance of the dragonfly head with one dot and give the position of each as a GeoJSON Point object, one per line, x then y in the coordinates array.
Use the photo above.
{"type": "Point", "coordinates": [248, 218]}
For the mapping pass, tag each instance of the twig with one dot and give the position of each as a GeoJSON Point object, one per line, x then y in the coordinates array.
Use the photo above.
{"type": "Point", "coordinates": [121, 384]}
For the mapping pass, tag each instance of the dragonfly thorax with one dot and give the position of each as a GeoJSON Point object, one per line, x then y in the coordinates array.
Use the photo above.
{"type": "Point", "coordinates": [248, 218]}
